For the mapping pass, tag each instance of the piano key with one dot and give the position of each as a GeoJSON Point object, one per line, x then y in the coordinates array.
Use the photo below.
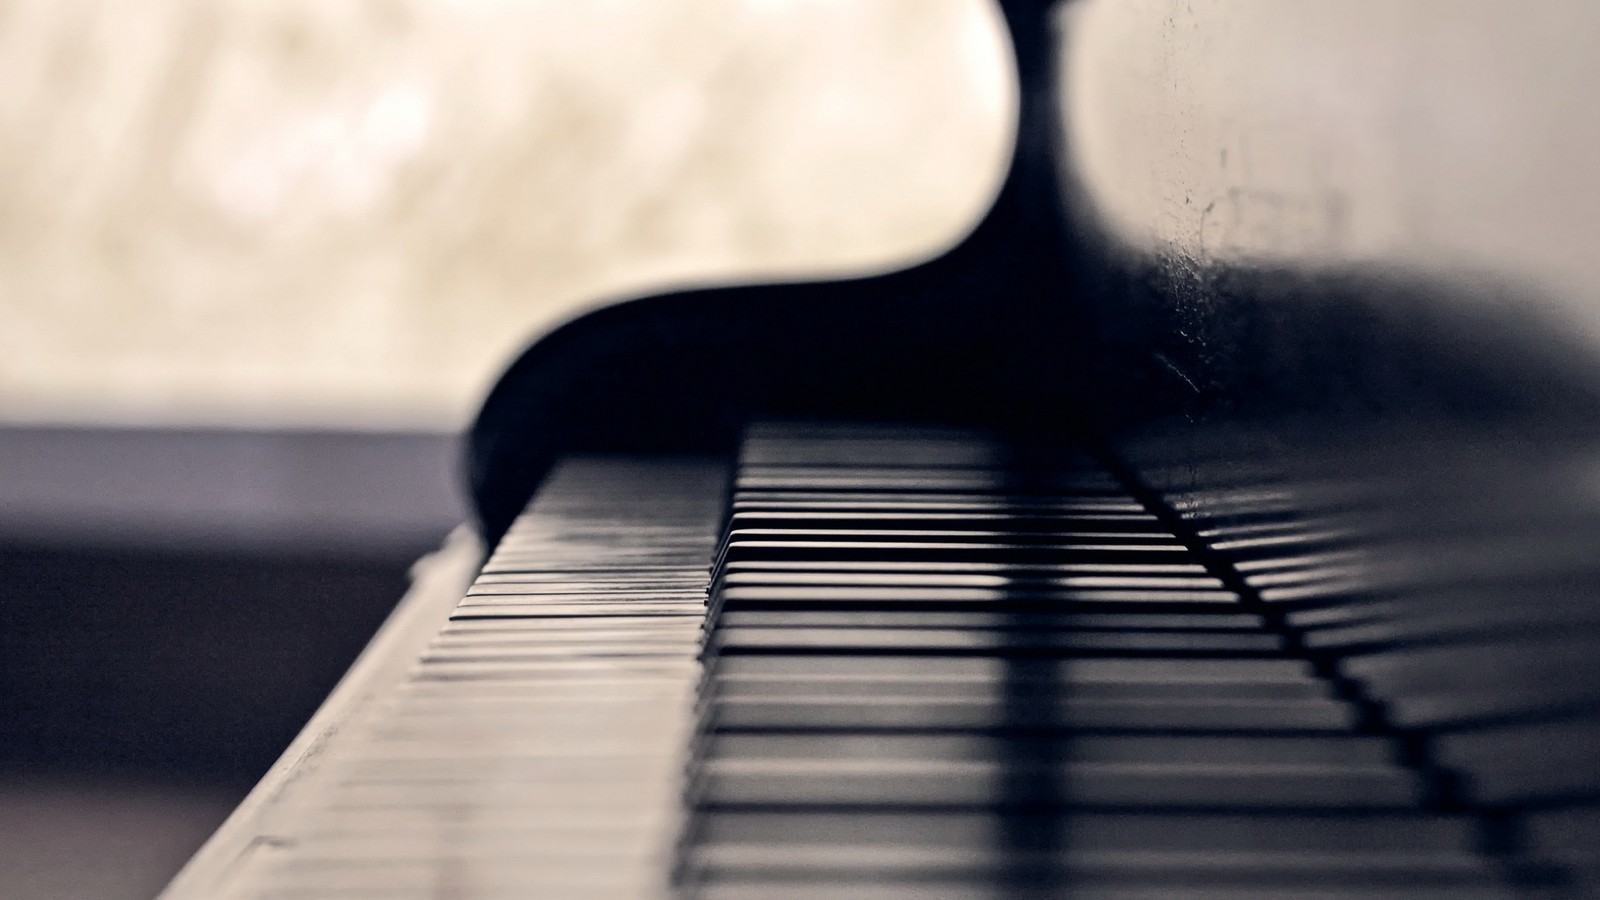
{"type": "Point", "coordinates": [1463, 624]}
{"type": "Point", "coordinates": [1469, 886]}
{"type": "Point", "coordinates": [911, 501]}
{"type": "Point", "coordinates": [564, 598]}
{"type": "Point", "coordinates": [746, 576]}
{"type": "Point", "coordinates": [1018, 642]}
{"type": "Point", "coordinates": [1009, 571]}
{"type": "Point", "coordinates": [952, 520]}
{"type": "Point", "coordinates": [940, 784]}
{"type": "Point", "coordinates": [1321, 750]}
{"type": "Point", "coordinates": [566, 573]}
{"type": "Point", "coordinates": [1137, 878]}
{"type": "Point", "coordinates": [602, 608]}
{"type": "Point", "coordinates": [986, 535]}
{"type": "Point", "coordinates": [1066, 714]}
{"type": "Point", "coordinates": [1484, 663]}
{"type": "Point", "coordinates": [888, 690]}
{"type": "Point", "coordinates": [651, 663]}
{"type": "Point", "coordinates": [1569, 838]}
{"type": "Point", "coordinates": [977, 619]}
{"type": "Point", "coordinates": [1358, 833]}
{"type": "Point", "coordinates": [495, 630]}
{"type": "Point", "coordinates": [835, 861]}
{"type": "Point", "coordinates": [974, 551]}
{"type": "Point", "coordinates": [1172, 599]}
{"type": "Point", "coordinates": [581, 589]}
{"type": "Point", "coordinates": [1200, 671]}
{"type": "Point", "coordinates": [1534, 763]}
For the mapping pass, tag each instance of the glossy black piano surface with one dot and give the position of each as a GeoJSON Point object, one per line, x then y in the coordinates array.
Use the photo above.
{"type": "Point", "coordinates": [1060, 565]}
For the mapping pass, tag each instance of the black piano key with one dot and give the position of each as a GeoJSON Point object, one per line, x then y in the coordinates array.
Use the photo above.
{"type": "Point", "coordinates": [1202, 671]}
{"type": "Point", "coordinates": [912, 550]}
{"type": "Point", "coordinates": [818, 519]}
{"type": "Point", "coordinates": [1003, 784]}
{"type": "Point", "coordinates": [1570, 837]}
{"type": "Point", "coordinates": [1359, 833]}
{"type": "Point", "coordinates": [952, 501]}
{"type": "Point", "coordinates": [985, 620]}
{"type": "Point", "coordinates": [887, 637]}
{"type": "Point", "coordinates": [1139, 878]}
{"type": "Point", "coordinates": [979, 641]}
{"type": "Point", "coordinates": [977, 598]}
{"type": "Point", "coordinates": [1170, 749]}
{"type": "Point", "coordinates": [1536, 763]}
{"type": "Point", "coordinates": [736, 575]}
{"type": "Point", "coordinates": [1019, 571]}
{"type": "Point", "coordinates": [890, 690]}
{"type": "Point", "coordinates": [1065, 714]}
{"type": "Point", "coordinates": [994, 535]}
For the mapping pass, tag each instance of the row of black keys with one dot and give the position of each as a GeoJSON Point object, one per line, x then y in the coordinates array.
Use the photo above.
{"type": "Point", "coordinates": [932, 674]}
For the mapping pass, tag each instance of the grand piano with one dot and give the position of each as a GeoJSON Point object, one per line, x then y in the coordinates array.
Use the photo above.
{"type": "Point", "coordinates": [1227, 546]}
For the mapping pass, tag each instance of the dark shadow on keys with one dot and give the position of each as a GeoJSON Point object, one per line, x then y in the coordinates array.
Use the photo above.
{"type": "Point", "coordinates": [1035, 742]}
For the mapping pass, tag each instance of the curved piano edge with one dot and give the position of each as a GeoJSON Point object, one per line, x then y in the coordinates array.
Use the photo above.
{"type": "Point", "coordinates": [956, 335]}
{"type": "Point", "coordinates": [255, 829]}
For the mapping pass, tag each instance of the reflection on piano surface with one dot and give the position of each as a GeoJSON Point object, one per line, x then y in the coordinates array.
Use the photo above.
{"type": "Point", "coordinates": [1034, 571]}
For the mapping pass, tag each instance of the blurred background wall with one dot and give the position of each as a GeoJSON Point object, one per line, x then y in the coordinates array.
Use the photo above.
{"type": "Point", "coordinates": [341, 213]}
{"type": "Point", "coordinates": [259, 259]}
{"type": "Point", "coordinates": [1446, 141]}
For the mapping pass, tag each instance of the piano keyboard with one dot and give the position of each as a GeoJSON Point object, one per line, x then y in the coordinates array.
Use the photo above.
{"type": "Point", "coordinates": [936, 664]}
{"type": "Point", "coordinates": [535, 747]}
{"type": "Point", "coordinates": [936, 669]}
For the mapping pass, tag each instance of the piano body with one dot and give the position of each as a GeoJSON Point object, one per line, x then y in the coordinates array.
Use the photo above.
{"type": "Point", "coordinates": [1251, 562]}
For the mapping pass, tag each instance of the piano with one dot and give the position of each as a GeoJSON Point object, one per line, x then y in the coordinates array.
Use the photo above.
{"type": "Point", "coordinates": [1056, 566]}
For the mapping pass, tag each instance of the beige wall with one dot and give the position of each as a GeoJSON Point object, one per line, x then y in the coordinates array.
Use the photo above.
{"type": "Point", "coordinates": [1458, 139]}
{"type": "Point", "coordinates": [339, 212]}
